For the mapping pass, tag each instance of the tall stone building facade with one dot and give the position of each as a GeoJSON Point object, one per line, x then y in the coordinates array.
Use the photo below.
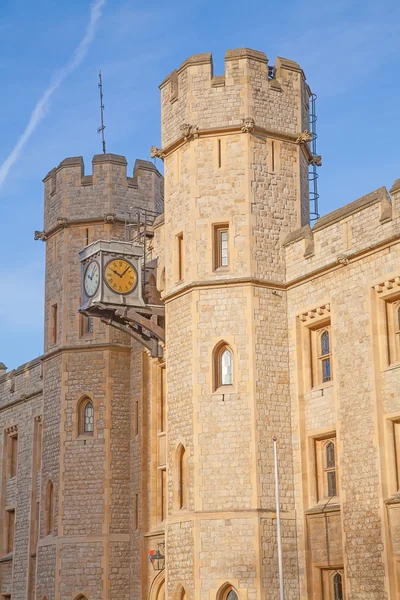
{"type": "Point", "coordinates": [131, 474]}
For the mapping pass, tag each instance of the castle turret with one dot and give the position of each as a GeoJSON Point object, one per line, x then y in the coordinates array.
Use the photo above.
{"type": "Point", "coordinates": [84, 544]}
{"type": "Point", "coordinates": [236, 163]}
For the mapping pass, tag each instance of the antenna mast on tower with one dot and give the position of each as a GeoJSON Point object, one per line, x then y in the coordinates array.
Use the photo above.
{"type": "Point", "coordinates": [102, 128]}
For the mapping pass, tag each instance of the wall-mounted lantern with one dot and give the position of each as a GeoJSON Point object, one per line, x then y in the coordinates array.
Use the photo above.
{"type": "Point", "coordinates": [157, 557]}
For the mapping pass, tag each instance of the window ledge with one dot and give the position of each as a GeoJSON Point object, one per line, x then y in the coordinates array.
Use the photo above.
{"type": "Point", "coordinates": [322, 386]}
{"type": "Point", "coordinates": [7, 558]}
{"type": "Point", "coordinates": [85, 436]}
{"type": "Point", "coordinates": [224, 389]}
{"type": "Point", "coordinates": [324, 507]}
{"type": "Point", "coordinates": [391, 367]}
{"type": "Point", "coordinates": [395, 499]}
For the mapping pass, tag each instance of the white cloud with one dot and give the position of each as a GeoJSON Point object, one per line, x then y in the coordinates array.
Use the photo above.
{"type": "Point", "coordinates": [39, 112]}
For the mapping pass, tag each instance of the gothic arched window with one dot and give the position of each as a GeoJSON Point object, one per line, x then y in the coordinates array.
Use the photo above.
{"type": "Point", "coordinates": [227, 592]}
{"type": "Point", "coordinates": [337, 587]}
{"type": "Point", "coordinates": [181, 477]}
{"type": "Point", "coordinates": [223, 366]}
{"type": "Point", "coordinates": [325, 356]}
{"type": "Point", "coordinates": [85, 416]}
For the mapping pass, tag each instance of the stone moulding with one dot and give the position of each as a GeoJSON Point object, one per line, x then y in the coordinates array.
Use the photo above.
{"type": "Point", "coordinates": [319, 311]}
{"type": "Point", "coordinates": [242, 127]}
{"type": "Point", "coordinates": [387, 285]}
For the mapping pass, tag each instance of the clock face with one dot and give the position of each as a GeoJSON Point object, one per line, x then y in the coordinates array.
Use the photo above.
{"type": "Point", "coordinates": [120, 276]}
{"type": "Point", "coordinates": [92, 278]}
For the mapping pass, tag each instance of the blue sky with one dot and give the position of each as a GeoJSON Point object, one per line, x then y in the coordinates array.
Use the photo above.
{"type": "Point", "coordinates": [348, 49]}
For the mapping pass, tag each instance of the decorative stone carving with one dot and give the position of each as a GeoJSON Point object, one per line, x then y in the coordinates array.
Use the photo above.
{"type": "Point", "coordinates": [12, 429]}
{"type": "Point", "coordinates": [316, 312]}
{"type": "Point", "coordinates": [315, 161]}
{"type": "Point", "coordinates": [109, 218]}
{"type": "Point", "coordinates": [40, 235]}
{"type": "Point", "coordinates": [248, 125]}
{"type": "Point", "coordinates": [304, 138]}
{"type": "Point", "coordinates": [389, 284]}
{"type": "Point", "coordinates": [62, 221]}
{"type": "Point", "coordinates": [189, 131]}
{"type": "Point", "coordinates": [342, 260]}
{"type": "Point", "coordinates": [156, 153]}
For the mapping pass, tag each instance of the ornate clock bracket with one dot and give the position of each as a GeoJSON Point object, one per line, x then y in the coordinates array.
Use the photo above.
{"type": "Point", "coordinates": [145, 325]}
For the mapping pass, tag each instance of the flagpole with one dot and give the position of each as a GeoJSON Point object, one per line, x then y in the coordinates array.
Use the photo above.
{"type": "Point", "coordinates": [278, 523]}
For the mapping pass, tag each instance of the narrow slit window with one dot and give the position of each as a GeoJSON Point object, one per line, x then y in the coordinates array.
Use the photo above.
{"type": "Point", "coordinates": [219, 154]}
{"type": "Point", "coordinates": [163, 474]}
{"type": "Point", "coordinates": [136, 513]}
{"type": "Point", "coordinates": [273, 156]}
{"type": "Point", "coordinates": [87, 325]}
{"type": "Point", "coordinates": [49, 509]}
{"type": "Point", "coordinates": [10, 530]}
{"type": "Point", "coordinates": [182, 478]}
{"type": "Point", "coordinates": [54, 324]}
{"type": "Point", "coordinates": [13, 441]}
{"type": "Point", "coordinates": [180, 266]}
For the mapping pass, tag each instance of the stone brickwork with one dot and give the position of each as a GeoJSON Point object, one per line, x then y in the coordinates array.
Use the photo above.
{"type": "Point", "coordinates": [235, 157]}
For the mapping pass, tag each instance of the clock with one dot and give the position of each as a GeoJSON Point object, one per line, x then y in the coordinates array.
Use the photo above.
{"type": "Point", "coordinates": [91, 278]}
{"type": "Point", "coordinates": [120, 276]}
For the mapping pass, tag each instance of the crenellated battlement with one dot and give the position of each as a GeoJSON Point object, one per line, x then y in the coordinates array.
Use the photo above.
{"type": "Point", "coordinates": [344, 234]}
{"type": "Point", "coordinates": [276, 99]}
{"type": "Point", "coordinates": [72, 194]}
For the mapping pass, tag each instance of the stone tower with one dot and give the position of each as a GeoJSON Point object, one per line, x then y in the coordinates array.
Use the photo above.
{"type": "Point", "coordinates": [236, 183]}
{"type": "Point", "coordinates": [85, 519]}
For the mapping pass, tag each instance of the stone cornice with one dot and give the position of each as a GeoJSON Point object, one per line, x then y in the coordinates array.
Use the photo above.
{"type": "Point", "coordinates": [21, 399]}
{"type": "Point", "coordinates": [246, 126]}
{"type": "Point", "coordinates": [272, 285]}
{"type": "Point", "coordinates": [87, 348]}
{"type": "Point", "coordinates": [108, 218]}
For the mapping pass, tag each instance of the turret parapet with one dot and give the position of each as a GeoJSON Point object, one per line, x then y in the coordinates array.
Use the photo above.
{"type": "Point", "coordinates": [277, 98]}
{"type": "Point", "coordinates": [395, 187]}
{"type": "Point", "coordinates": [74, 195]}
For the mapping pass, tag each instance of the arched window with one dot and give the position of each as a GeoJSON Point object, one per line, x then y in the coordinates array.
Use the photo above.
{"type": "Point", "coordinates": [325, 356]}
{"type": "Point", "coordinates": [223, 366]}
{"type": "Point", "coordinates": [85, 417]}
{"type": "Point", "coordinates": [227, 592]}
{"type": "Point", "coordinates": [337, 587]}
{"type": "Point", "coordinates": [182, 477]}
{"type": "Point", "coordinates": [49, 509]}
{"type": "Point", "coordinates": [157, 589]}
{"type": "Point", "coordinates": [330, 468]}
{"type": "Point", "coordinates": [88, 422]}
{"type": "Point", "coordinates": [180, 593]}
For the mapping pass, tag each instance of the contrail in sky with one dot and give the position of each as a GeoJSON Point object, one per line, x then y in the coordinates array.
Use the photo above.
{"type": "Point", "coordinates": [39, 112]}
